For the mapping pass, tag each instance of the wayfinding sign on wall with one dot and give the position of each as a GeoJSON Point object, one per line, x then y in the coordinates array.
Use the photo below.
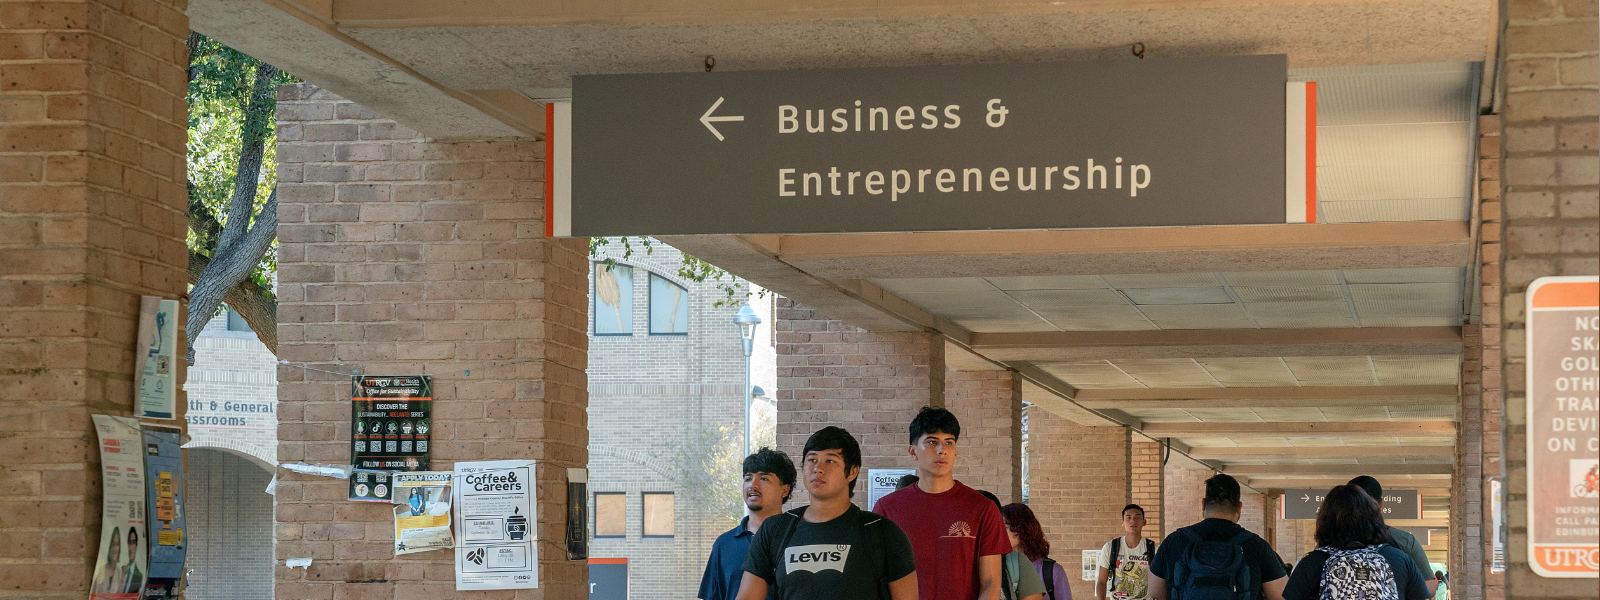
{"type": "Point", "coordinates": [1196, 141]}
{"type": "Point", "coordinates": [1303, 504]}
{"type": "Point", "coordinates": [1563, 439]}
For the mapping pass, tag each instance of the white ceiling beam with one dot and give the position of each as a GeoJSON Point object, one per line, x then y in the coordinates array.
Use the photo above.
{"type": "Point", "coordinates": [1045, 346]}
{"type": "Point", "coordinates": [1269, 397]}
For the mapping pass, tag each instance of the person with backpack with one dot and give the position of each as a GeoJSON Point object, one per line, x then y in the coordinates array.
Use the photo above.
{"type": "Point", "coordinates": [829, 549]}
{"type": "Point", "coordinates": [1124, 562]}
{"type": "Point", "coordinates": [1018, 579]}
{"type": "Point", "coordinates": [1353, 560]}
{"type": "Point", "coordinates": [1028, 538]}
{"type": "Point", "coordinates": [1399, 538]}
{"type": "Point", "coordinates": [1216, 559]}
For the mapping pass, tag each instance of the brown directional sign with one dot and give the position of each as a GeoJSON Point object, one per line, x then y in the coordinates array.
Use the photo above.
{"type": "Point", "coordinates": [1303, 504]}
{"type": "Point", "coordinates": [1191, 141]}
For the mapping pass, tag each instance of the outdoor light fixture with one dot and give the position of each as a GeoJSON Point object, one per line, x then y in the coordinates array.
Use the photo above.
{"type": "Point", "coordinates": [747, 321]}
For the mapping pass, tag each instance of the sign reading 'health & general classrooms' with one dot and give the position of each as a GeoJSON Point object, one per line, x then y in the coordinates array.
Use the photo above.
{"type": "Point", "coordinates": [1563, 439]}
{"type": "Point", "coordinates": [1199, 141]}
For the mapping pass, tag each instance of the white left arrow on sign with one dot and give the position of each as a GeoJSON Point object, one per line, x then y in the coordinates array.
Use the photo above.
{"type": "Point", "coordinates": [707, 119]}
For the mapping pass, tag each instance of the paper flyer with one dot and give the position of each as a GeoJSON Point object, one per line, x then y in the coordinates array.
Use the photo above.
{"type": "Point", "coordinates": [371, 486]}
{"type": "Point", "coordinates": [882, 482]}
{"type": "Point", "coordinates": [496, 525]}
{"type": "Point", "coordinates": [422, 511]}
{"type": "Point", "coordinates": [163, 462]}
{"type": "Point", "coordinates": [157, 347]}
{"type": "Point", "coordinates": [119, 572]}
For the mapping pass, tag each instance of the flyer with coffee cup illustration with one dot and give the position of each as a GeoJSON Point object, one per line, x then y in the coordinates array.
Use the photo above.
{"type": "Point", "coordinates": [495, 525]}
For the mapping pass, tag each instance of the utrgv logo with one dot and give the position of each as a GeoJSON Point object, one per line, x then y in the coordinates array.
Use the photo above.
{"type": "Point", "coordinates": [816, 558]}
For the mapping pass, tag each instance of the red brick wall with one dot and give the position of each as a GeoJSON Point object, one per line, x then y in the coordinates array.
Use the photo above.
{"type": "Point", "coordinates": [92, 205]}
{"type": "Point", "coordinates": [1078, 486]}
{"type": "Point", "coordinates": [1185, 489]}
{"type": "Point", "coordinates": [1146, 478]}
{"type": "Point", "coordinates": [1550, 177]}
{"type": "Point", "coordinates": [400, 255]}
{"type": "Point", "coordinates": [989, 405]}
{"type": "Point", "coordinates": [830, 373]}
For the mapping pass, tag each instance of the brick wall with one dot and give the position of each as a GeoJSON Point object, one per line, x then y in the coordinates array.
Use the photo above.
{"type": "Point", "coordinates": [229, 517]}
{"type": "Point", "coordinates": [830, 373]}
{"type": "Point", "coordinates": [92, 208]}
{"type": "Point", "coordinates": [1145, 477]}
{"type": "Point", "coordinates": [1184, 490]}
{"type": "Point", "coordinates": [1478, 437]}
{"type": "Point", "coordinates": [989, 405]}
{"type": "Point", "coordinates": [1079, 484]}
{"type": "Point", "coordinates": [1551, 173]}
{"type": "Point", "coordinates": [400, 255]}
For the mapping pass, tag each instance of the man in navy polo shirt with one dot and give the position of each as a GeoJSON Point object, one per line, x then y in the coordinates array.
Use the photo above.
{"type": "Point", "coordinates": [768, 481]}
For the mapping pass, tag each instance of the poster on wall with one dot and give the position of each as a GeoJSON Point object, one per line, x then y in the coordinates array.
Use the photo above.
{"type": "Point", "coordinates": [163, 467]}
{"type": "Point", "coordinates": [1563, 362]}
{"type": "Point", "coordinates": [153, 358]}
{"type": "Point", "coordinates": [1497, 562]}
{"type": "Point", "coordinates": [496, 526]}
{"type": "Point", "coordinates": [882, 482]}
{"type": "Point", "coordinates": [390, 421]}
{"type": "Point", "coordinates": [367, 485]}
{"type": "Point", "coordinates": [1091, 564]}
{"type": "Point", "coordinates": [119, 572]}
{"type": "Point", "coordinates": [422, 511]}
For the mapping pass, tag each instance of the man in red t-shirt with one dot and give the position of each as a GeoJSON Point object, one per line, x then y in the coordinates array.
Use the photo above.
{"type": "Point", "coordinates": [957, 535]}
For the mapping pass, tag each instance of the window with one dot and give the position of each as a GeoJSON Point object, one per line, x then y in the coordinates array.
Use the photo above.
{"type": "Point", "coordinates": [658, 514]}
{"type": "Point", "coordinates": [236, 322]}
{"type": "Point", "coordinates": [610, 515]}
{"type": "Point", "coordinates": [613, 300]}
{"type": "Point", "coordinates": [669, 307]}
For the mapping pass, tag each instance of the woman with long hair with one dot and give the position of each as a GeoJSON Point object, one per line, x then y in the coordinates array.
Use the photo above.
{"type": "Point", "coordinates": [1028, 538]}
{"type": "Point", "coordinates": [1353, 559]}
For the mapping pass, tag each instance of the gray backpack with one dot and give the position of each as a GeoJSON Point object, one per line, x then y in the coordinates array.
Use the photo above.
{"type": "Point", "coordinates": [1360, 574]}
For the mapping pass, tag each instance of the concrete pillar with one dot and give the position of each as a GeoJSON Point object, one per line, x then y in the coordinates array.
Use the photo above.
{"type": "Point", "coordinates": [400, 255]}
{"type": "Point", "coordinates": [1078, 480]}
{"type": "Point", "coordinates": [872, 384]}
{"type": "Point", "coordinates": [1551, 167]}
{"type": "Point", "coordinates": [92, 205]}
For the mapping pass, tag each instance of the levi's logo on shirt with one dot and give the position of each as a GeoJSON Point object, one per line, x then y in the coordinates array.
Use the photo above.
{"type": "Point", "coordinates": [816, 558]}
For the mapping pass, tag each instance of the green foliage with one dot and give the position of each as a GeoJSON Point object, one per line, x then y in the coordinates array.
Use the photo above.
{"type": "Point", "coordinates": [707, 466]}
{"type": "Point", "coordinates": [220, 83]}
{"type": "Point", "coordinates": [737, 290]}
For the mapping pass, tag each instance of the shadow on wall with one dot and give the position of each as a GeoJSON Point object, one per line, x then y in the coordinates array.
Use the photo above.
{"type": "Point", "coordinates": [230, 553]}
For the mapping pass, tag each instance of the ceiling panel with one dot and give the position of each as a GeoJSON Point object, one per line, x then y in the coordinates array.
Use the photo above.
{"type": "Point", "coordinates": [1417, 370]}
{"type": "Point", "coordinates": [1331, 370]}
{"type": "Point", "coordinates": [1179, 295]}
{"type": "Point", "coordinates": [1197, 316]}
{"type": "Point", "coordinates": [936, 301]}
{"type": "Point", "coordinates": [1225, 415]}
{"type": "Point", "coordinates": [1428, 275]}
{"type": "Point", "coordinates": [1091, 375]}
{"type": "Point", "coordinates": [1041, 298]}
{"type": "Point", "coordinates": [1400, 209]}
{"type": "Point", "coordinates": [1057, 282]}
{"type": "Point", "coordinates": [1249, 372]}
{"type": "Point", "coordinates": [1404, 292]}
{"type": "Point", "coordinates": [1162, 280]}
{"type": "Point", "coordinates": [1284, 293]}
{"type": "Point", "coordinates": [1167, 373]}
{"type": "Point", "coordinates": [1282, 278]}
{"type": "Point", "coordinates": [934, 284]}
{"type": "Point", "coordinates": [1095, 318]}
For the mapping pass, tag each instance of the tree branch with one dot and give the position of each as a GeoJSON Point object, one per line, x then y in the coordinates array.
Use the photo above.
{"type": "Point", "coordinates": [256, 304]}
{"type": "Point", "coordinates": [204, 224]}
{"type": "Point", "coordinates": [252, 137]}
{"type": "Point", "coordinates": [230, 264]}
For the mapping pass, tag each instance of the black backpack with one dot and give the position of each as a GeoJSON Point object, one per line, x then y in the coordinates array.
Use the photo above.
{"type": "Point", "coordinates": [1212, 570]}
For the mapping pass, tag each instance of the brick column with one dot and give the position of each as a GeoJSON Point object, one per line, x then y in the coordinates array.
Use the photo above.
{"type": "Point", "coordinates": [1184, 486]}
{"type": "Point", "coordinates": [1551, 167]}
{"type": "Point", "coordinates": [989, 404]}
{"type": "Point", "coordinates": [1145, 483]}
{"type": "Point", "coordinates": [1078, 480]}
{"type": "Point", "coordinates": [872, 384]}
{"type": "Point", "coordinates": [92, 205]}
{"type": "Point", "coordinates": [399, 255]}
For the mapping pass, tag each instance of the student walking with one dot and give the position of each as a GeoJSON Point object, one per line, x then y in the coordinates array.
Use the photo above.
{"type": "Point", "coordinates": [1124, 562]}
{"type": "Point", "coordinates": [768, 482]}
{"type": "Point", "coordinates": [1028, 537]}
{"type": "Point", "coordinates": [1018, 579]}
{"type": "Point", "coordinates": [958, 534]}
{"type": "Point", "coordinates": [1399, 538]}
{"type": "Point", "coordinates": [1353, 560]}
{"type": "Point", "coordinates": [829, 549]}
{"type": "Point", "coordinates": [1216, 559]}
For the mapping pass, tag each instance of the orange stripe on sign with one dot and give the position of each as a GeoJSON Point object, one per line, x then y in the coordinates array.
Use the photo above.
{"type": "Point", "coordinates": [608, 561]}
{"type": "Point", "coordinates": [1567, 294]}
{"type": "Point", "coordinates": [549, 169]}
{"type": "Point", "coordinates": [1311, 151]}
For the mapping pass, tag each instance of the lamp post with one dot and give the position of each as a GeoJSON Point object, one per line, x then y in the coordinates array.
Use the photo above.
{"type": "Point", "coordinates": [747, 321]}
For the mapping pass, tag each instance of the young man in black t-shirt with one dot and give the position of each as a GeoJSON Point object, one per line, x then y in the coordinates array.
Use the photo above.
{"type": "Point", "coordinates": [1221, 511]}
{"type": "Point", "coordinates": [830, 548]}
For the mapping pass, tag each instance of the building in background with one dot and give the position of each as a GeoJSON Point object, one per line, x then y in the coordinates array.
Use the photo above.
{"type": "Point", "coordinates": [231, 453]}
{"type": "Point", "coordinates": [665, 414]}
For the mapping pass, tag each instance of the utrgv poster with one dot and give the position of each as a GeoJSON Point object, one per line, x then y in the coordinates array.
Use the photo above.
{"type": "Point", "coordinates": [119, 572]}
{"type": "Point", "coordinates": [154, 356]}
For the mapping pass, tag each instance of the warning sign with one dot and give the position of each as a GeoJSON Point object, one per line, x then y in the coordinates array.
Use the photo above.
{"type": "Point", "coordinates": [1563, 439]}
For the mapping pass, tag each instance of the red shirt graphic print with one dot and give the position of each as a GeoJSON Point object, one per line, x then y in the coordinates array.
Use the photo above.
{"type": "Point", "coordinates": [948, 532]}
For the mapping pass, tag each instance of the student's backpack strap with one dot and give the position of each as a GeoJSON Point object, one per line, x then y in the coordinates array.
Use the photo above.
{"type": "Point", "coordinates": [877, 551]}
{"type": "Point", "coordinates": [783, 542]}
{"type": "Point", "coordinates": [1050, 578]}
{"type": "Point", "coordinates": [1149, 551]}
